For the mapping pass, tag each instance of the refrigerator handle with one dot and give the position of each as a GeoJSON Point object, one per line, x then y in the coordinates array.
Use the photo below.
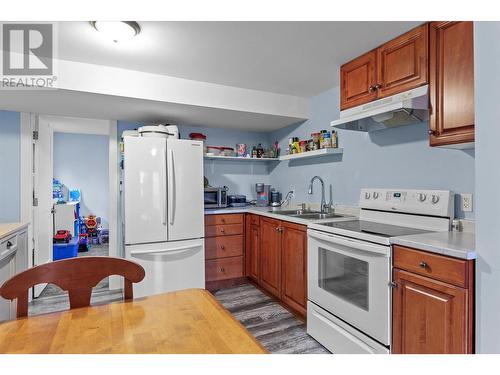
{"type": "Point", "coordinates": [163, 197]}
{"type": "Point", "coordinates": [171, 187]}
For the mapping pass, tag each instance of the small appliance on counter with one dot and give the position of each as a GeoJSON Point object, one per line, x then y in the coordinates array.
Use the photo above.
{"type": "Point", "coordinates": [263, 194]}
{"type": "Point", "coordinates": [237, 200]}
{"type": "Point", "coordinates": [275, 198]}
{"type": "Point", "coordinates": [215, 197]}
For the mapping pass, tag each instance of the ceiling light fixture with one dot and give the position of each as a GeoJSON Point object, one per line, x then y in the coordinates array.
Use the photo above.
{"type": "Point", "coordinates": [117, 31]}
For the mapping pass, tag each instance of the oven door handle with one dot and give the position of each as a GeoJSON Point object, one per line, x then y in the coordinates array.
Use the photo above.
{"type": "Point", "coordinates": [358, 245]}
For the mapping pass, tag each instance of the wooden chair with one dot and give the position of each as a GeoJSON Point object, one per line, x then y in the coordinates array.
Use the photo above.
{"type": "Point", "coordinates": [76, 275]}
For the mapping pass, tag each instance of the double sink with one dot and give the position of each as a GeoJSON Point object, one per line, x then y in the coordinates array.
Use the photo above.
{"type": "Point", "coordinates": [307, 215]}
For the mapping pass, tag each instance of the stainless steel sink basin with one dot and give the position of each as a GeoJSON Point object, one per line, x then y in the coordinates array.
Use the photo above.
{"type": "Point", "coordinates": [308, 215]}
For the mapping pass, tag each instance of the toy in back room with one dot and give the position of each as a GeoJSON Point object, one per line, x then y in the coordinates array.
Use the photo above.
{"type": "Point", "coordinates": [92, 228]}
{"type": "Point", "coordinates": [62, 236]}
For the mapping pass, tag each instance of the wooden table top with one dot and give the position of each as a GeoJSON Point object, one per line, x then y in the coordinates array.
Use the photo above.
{"type": "Point", "coordinates": [189, 321]}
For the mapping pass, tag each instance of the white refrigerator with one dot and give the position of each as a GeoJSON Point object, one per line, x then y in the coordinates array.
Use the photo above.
{"type": "Point", "coordinates": [164, 213]}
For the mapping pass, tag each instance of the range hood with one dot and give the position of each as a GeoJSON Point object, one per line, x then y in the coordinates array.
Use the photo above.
{"type": "Point", "coordinates": [407, 108]}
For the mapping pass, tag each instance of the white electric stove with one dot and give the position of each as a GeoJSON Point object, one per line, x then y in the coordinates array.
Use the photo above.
{"type": "Point", "coordinates": [349, 266]}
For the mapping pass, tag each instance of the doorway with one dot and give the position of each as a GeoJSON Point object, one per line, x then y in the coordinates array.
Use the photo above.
{"type": "Point", "coordinates": [76, 188]}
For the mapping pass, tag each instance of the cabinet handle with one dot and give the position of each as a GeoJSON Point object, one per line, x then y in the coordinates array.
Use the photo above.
{"type": "Point", "coordinates": [371, 89]}
{"type": "Point", "coordinates": [222, 220]}
{"type": "Point", "coordinates": [423, 264]}
{"type": "Point", "coordinates": [377, 86]}
{"type": "Point", "coordinates": [431, 132]}
{"type": "Point", "coordinates": [222, 230]}
{"type": "Point", "coordinates": [9, 245]}
{"type": "Point", "coordinates": [277, 229]}
{"type": "Point", "coordinates": [222, 247]}
{"type": "Point", "coordinates": [222, 269]}
{"type": "Point", "coordinates": [393, 284]}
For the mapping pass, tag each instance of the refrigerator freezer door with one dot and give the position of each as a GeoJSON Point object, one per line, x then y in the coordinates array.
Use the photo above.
{"type": "Point", "coordinates": [169, 266]}
{"type": "Point", "coordinates": [145, 190]}
{"type": "Point", "coordinates": [185, 189]}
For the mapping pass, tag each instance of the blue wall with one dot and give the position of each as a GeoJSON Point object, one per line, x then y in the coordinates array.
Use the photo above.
{"type": "Point", "coordinates": [81, 162]}
{"type": "Point", "coordinates": [399, 158]}
{"type": "Point", "coordinates": [10, 145]}
{"type": "Point", "coordinates": [239, 177]}
{"type": "Point", "coordinates": [487, 81]}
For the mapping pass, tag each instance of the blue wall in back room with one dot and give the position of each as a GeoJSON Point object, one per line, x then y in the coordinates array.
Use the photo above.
{"type": "Point", "coordinates": [81, 162]}
{"type": "Point", "coordinates": [398, 158]}
{"type": "Point", "coordinates": [239, 177]}
{"type": "Point", "coordinates": [10, 147]}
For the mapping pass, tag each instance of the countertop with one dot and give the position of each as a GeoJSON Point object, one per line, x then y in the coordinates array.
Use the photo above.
{"type": "Point", "coordinates": [273, 212]}
{"type": "Point", "coordinates": [6, 229]}
{"type": "Point", "coordinates": [189, 321]}
{"type": "Point", "coordinates": [455, 244]}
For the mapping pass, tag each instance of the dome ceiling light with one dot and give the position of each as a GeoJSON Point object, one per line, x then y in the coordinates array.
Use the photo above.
{"type": "Point", "coordinates": [117, 31]}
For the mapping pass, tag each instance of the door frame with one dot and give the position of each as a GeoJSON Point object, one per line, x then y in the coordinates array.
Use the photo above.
{"type": "Point", "coordinates": [29, 123]}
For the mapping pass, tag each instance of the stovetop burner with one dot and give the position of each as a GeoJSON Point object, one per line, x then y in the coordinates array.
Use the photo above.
{"type": "Point", "coordinates": [373, 228]}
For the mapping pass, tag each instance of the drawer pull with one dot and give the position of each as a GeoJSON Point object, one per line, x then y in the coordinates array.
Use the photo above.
{"type": "Point", "coordinates": [222, 230]}
{"type": "Point", "coordinates": [223, 220]}
{"type": "Point", "coordinates": [222, 247]}
{"type": "Point", "coordinates": [9, 245]}
{"type": "Point", "coordinates": [222, 269]}
{"type": "Point", "coordinates": [423, 264]}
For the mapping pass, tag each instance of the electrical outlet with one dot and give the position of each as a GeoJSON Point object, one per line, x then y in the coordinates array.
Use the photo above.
{"type": "Point", "coordinates": [466, 199]}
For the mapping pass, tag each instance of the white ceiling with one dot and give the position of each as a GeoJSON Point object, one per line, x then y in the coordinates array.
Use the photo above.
{"type": "Point", "coordinates": [294, 58]}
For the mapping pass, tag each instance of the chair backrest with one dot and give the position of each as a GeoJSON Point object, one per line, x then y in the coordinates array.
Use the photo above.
{"type": "Point", "coordinates": [76, 275]}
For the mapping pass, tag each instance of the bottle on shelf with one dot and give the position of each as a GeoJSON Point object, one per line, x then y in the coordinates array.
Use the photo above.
{"type": "Point", "coordinates": [254, 152]}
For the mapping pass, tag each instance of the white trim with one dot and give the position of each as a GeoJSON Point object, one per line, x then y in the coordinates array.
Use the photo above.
{"type": "Point", "coordinates": [115, 282]}
{"type": "Point", "coordinates": [77, 125]}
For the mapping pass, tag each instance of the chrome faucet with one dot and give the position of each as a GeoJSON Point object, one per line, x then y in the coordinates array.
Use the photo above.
{"type": "Point", "coordinates": [310, 191]}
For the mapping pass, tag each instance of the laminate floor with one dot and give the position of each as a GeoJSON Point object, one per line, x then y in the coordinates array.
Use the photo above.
{"type": "Point", "coordinates": [278, 330]}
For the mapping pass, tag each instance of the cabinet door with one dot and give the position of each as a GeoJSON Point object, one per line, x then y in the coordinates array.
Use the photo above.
{"type": "Point", "coordinates": [402, 62]}
{"type": "Point", "coordinates": [270, 255]}
{"type": "Point", "coordinates": [428, 316]}
{"type": "Point", "coordinates": [451, 83]}
{"type": "Point", "coordinates": [252, 247]}
{"type": "Point", "coordinates": [357, 79]}
{"type": "Point", "coordinates": [294, 266]}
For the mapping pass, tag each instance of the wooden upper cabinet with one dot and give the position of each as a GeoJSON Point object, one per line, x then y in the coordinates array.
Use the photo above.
{"type": "Point", "coordinates": [270, 255]}
{"type": "Point", "coordinates": [429, 316]}
{"type": "Point", "coordinates": [294, 266]}
{"type": "Point", "coordinates": [396, 66]}
{"type": "Point", "coordinates": [451, 83]}
{"type": "Point", "coordinates": [402, 63]}
{"type": "Point", "coordinates": [357, 79]}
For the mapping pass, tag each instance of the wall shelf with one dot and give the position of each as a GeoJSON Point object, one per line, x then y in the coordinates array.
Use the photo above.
{"type": "Point", "coordinates": [313, 154]}
{"type": "Point", "coordinates": [219, 157]}
{"type": "Point", "coordinates": [302, 155]}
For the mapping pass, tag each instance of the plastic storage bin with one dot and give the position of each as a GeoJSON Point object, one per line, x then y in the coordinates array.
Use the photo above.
{"type": "Point", "coordinates": [65, 250]}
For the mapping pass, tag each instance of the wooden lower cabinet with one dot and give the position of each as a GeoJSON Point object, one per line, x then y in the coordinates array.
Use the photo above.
{"type": "Point", "coordinates": [252, 249]}
{"type": "Point", "coordinates": [431, 316]}
{"type": "Point", "coordinates": [276, 259]}
{"type": "Point", "coordinates": [294, 266]}
{"type": "Point", "coordinates": [270, 256]}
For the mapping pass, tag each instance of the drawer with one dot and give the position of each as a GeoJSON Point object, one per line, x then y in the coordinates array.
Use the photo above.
{"type": "Point", "coordinates": [223, 230]}
{"type": "Point", "coordinates": [223, 246]}
{"type": "Point", "coordinates": [225, 268]}
{"type": "Point", "coordinates": [8, 245]}
{"type": "Point", "coordinates": [223, 219]}
{"type": "Point", "coordinates": [438, 267]}
{"type": "Point", "coordinates": [254, 219]}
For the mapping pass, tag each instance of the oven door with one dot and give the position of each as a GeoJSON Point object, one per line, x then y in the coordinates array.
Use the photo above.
{"type": "Point", "coordinates": [350, 279]}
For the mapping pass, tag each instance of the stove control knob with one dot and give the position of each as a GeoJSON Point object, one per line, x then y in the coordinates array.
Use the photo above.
{"type": "Point", "coordinates": [367, 195]}
{"type": "Point", "coordinates": [375, 195]}
{"type": "Point", "coordinates": [435, 199]}
{"type": "Point", "coordinates": [421, 197]}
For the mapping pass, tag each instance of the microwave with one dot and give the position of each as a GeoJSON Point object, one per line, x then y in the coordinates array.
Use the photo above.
{"type": "Point", "coordinates": [215, 197]}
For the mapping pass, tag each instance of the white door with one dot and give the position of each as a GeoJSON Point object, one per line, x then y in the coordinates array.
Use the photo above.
{"type": "Point", "coordinates": [350, 279]}
{"type": "Point", "coordinates": [185, 189]}
{"type": "Point", "coordinates": [169, 266]}
{"type": "Point", "coordinates": [42, 185]}
{"type": "Point", "coordinates": [145, 191]}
